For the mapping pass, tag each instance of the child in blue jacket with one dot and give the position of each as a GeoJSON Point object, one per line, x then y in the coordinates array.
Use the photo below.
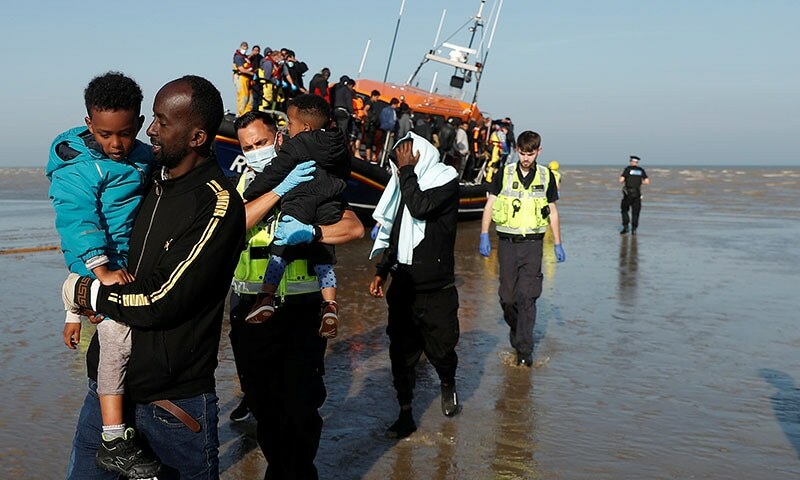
{"type": "Point", "coordinates": [98, 176]}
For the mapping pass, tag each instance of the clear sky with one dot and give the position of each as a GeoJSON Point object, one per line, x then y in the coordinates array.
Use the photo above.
{"type": "Point", "coordinates": [677, 82]}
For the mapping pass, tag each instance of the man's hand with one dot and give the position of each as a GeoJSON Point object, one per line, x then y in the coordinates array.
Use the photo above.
{"type": "Point", "coordinates": [291, 231]}
{"type": "Point", "coordinates": [404, 155]}
{"type": "Point", "coordinates": [485, 246]}
{"type": "Point", "coordinates": [72, 335]}
{"type": "Point", "coordinates": [561, 256]}
{"type": "Point", "coordinates": [376, 287]}
{"type": "Point", "coordinates": [301, 173]}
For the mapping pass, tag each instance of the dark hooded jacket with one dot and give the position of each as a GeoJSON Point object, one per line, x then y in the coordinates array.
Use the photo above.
{"type": "Point", "coordinates": [318, 202]}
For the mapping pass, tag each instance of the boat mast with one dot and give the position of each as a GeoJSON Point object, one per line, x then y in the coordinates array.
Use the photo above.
{"type": "Point", "coordinates": [479, 74]}
{"type": "Point", "coordinates": [458, 54]}
{"type": "Point", "coordinates": [396, 28]}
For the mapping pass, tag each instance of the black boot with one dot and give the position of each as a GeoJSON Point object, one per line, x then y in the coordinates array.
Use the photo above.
{"type": "Point", "coordinates": [624, 230]}
{"type": "Point", "coordinates": [403, 427]}
{"type": "Point", "coordinates": [524, 360]}
{"type": "Point", "coordinates": [450, 405]}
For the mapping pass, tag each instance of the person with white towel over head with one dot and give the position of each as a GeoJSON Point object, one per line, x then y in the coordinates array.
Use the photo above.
{"type": "Point", "coordinates": [418, 215]}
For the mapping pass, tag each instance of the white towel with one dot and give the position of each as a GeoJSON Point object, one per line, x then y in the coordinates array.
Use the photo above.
{"type": "Point", "coordinates": [430, 174]}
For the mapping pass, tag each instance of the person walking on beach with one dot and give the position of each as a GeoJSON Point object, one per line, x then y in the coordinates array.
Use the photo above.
{"type": "Point", "coordinates": [632, 178]}
{"type": "Point", "coordinates": [98, 175]}
{"type": "Point", "coordinates": [418, 216]}
{"type": "Point", "coordinates": [319, 202]}
{"type": "Point", "coordinates": [522, 203]}
{"type": "Point", "coordinates": [282, 361]}
{"type": "Point", "coordinates": [185, 242]}
{"type": "Point", "coordinates": [258, 136]}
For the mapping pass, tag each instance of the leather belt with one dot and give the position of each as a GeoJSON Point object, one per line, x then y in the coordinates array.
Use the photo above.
{"type": "Point", "coordinates": [520, 239]}
{"type": "Point", "coordinates": [179, 413]}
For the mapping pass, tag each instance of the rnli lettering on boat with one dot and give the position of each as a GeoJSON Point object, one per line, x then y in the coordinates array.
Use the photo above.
{"type": "Point", "coordinates": [238, 164]}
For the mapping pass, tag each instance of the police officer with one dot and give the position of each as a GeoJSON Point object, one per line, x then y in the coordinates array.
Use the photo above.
{"type": "Point", "coordinates": [633, 177]}
{"type": "Point", "coordinates": [257, 133]}
{"type": "Point", "coordinates": [522, 202]}
{"type": "Point", "coordinates": [280, 362]}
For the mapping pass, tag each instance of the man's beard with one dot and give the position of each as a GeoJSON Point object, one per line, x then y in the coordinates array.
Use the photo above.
{"type": "Point", "coordinates": [171, 159]}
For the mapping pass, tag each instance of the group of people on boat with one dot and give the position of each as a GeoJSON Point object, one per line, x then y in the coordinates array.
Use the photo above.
{"type": "Point", "coordinates": [478, 149]}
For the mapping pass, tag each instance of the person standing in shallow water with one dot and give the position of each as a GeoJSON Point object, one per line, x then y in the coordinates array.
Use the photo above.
{"type": "Point", "coordinates": [418, 217]}
{"type": "Point", "coordinates": [522, 203]}
{"type": "Point", "coordinates": [184, 246]}
{"type": "Point", "coordinates": [633, 177]}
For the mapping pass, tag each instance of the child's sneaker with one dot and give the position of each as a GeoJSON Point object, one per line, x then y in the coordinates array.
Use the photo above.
{"type": "Point", "coordinates": [263, 309]}
{"type": "Point", "coordinates": [329, 327]}
{"type": "Point", "coordinates": [123, 455]}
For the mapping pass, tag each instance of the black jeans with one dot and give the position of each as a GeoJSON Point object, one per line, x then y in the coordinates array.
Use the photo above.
{"type": "Point", "coordinates": [283, 383]}
{"type": "Point", "coordinates": [634, 203]}
{"type": "Point", "coordinates": [421, 322]}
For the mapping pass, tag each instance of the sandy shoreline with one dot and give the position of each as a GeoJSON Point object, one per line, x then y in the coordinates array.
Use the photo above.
{"type": "Point", "coordinates": [672, 354]}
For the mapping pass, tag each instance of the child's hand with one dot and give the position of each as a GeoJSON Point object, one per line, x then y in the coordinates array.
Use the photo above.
{"type": "Point", "coordinates": [112, 277]}
{"type": "Point", "coordinates": [72, 335]}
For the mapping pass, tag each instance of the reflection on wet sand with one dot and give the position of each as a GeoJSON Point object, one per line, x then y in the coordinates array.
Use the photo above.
{"type": "Point", "coordinates": [672, 356]}
{"type": "Point", "coordinates": [628, 270]}
{"type": "Point", "coordinates": [514, 427]}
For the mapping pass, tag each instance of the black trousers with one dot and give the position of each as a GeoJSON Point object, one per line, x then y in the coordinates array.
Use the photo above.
{"type": "Point", "coordinates": [520, 286]}
{"type": "Point", "coordinates": [282, 371]}
{"type": "Point", "coordinates": [421, 322]}
{"type": "Point", "coordinates": [634, 203]}
{"type": "Point", "coordinates": [240, 306]}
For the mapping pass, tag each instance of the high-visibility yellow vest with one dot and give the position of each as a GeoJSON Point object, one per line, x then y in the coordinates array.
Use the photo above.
{"type": "Point", "coordinates": [248, 277]}
{"type": "Point", "coordinates": [517, 210]}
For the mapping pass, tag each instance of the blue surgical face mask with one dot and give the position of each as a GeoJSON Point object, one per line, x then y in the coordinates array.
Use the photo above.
{"type": "Point", "coordinates": [290, 63]}
{"type": "Point", "coordinates": [258, 159]}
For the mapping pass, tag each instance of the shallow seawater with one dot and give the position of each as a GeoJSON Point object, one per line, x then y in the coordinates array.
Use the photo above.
{"type": "Point", "coordinates": [671, 354]}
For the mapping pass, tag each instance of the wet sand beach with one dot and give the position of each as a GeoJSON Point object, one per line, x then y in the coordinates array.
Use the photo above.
{"type": "Point", "coordinates": [672, 354]}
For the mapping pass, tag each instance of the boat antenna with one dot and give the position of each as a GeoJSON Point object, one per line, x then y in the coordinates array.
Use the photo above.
{"type": "Point", "coordinates": [363, 58]}
{"type": "Point", "coordinates": [439, 30]}
{"type": "Point", "coordinates": [394, 40]}
{"type": "Point", "coordinates": [479, 73]}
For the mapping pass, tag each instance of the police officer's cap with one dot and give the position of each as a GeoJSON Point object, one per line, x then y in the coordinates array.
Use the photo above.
{"type": "Point", "coordinates": [634, 158]}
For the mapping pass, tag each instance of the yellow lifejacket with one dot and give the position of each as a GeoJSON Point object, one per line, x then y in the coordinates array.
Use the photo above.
{"type": "Point", "coordinates": [517, 210]}
{"type": "Point", "coordinates": [248, 277]}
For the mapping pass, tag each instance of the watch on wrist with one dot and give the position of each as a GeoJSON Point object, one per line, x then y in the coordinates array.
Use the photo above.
{"type": "Point", "coordinates": [317, 232]}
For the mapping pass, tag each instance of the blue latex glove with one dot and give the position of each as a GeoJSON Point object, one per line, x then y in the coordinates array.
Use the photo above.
{"type": "Point", "coordinates": [560, 255]}
{"type": "Point", "coordinates": [284, 83]}
{"type": "Point", "coordinates": [374, 233]}
{"type": "Point", "coordinates": [301, 173]}
{"type": "Point", "coordinates": [294, 87]}
{"type": "Point", "coordinates": [291, 231]}
{"type": "Point", "coordinates": [486, 246]}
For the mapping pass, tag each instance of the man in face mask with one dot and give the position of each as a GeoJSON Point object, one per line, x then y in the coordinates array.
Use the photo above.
{"type": "Point", "coordinates": [281, 362]}
{"type": "Point", "coordinates": [258, 136]}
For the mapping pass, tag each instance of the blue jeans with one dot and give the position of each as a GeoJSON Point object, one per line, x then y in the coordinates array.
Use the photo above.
{"type": "Point", "coordinates": [183, 453]}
